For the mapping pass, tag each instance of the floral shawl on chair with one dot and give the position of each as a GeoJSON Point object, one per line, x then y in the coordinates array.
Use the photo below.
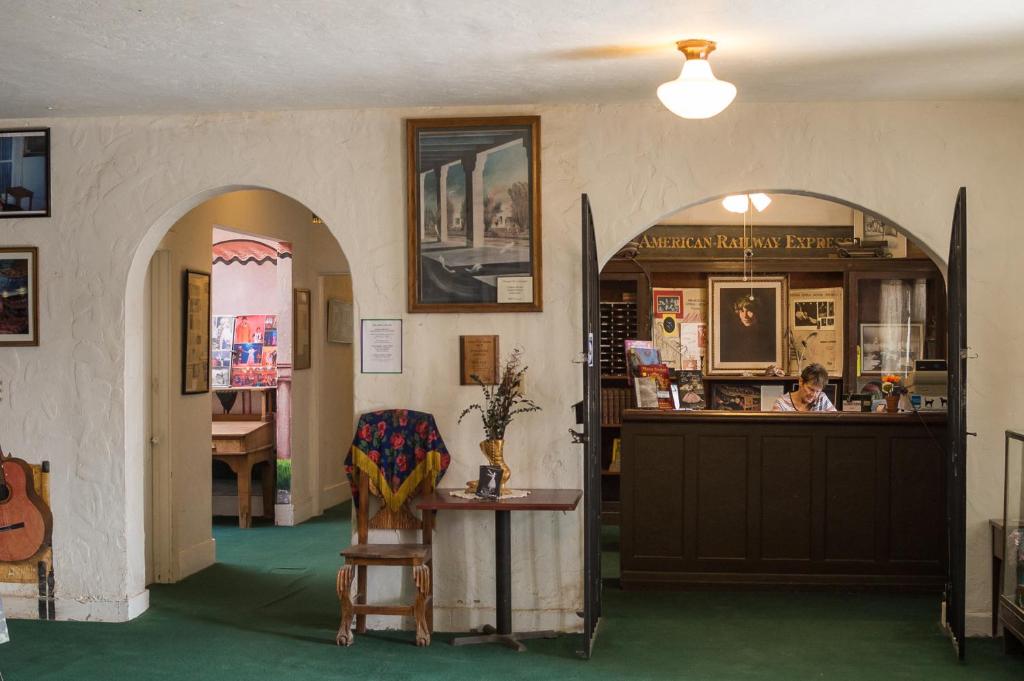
{"type": "Point", "coordinates": [396, 448]}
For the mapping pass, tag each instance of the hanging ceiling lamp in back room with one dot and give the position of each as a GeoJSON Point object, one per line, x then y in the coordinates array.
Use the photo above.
{"type": "Point", "coordinates": [696, 93]}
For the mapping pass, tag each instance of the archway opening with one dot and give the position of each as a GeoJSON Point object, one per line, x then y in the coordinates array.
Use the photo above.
{"type": "Point", "coordinates": [739, 496]}
{"type": "Point", "coordinates": [265, 362]}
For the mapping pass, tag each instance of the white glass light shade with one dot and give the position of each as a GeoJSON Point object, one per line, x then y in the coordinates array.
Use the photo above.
{"type": "Point", "coordinates": [760, 201]}
{"type": "Point", "coordinates": [736, 203]}
{"type": "Point", "coordinates": [696, 93]}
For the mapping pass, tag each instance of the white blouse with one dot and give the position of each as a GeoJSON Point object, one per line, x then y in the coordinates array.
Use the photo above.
{"type": "Point", "coordinates": [820, 403]}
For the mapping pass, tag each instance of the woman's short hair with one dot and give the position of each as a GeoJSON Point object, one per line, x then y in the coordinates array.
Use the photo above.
{"type": "Point", "coordinates": [814, 374]}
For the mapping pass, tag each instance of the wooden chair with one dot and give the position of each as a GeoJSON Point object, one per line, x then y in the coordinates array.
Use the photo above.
{"type": "Point", "coordinates": [362, 555]}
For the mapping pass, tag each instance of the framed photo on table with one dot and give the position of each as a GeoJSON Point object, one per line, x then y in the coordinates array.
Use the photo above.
{"type": "Point", "coordinates": [19, 296]}
{"type": "Point", "coordinates": [474, 214]}
{"type": "Point", "coordinates": [747, 319]}
{"type": "Point", "coordinates": [25, 173]}
{"type": "Point", "coordinates": [195, 343]}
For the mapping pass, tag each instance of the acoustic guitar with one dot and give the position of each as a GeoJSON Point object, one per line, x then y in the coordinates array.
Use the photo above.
{"type": "Point", "coordinates": [25, 519]}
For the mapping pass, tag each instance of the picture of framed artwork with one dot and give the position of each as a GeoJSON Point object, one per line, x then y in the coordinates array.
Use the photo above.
{"type": "Point", "coordinates": [195, 345]}
{"type": "Point", "coordinates": [474, 214]}
{"type": "Point", "coordinates": [25, 173]}
{"type": "Point", "coordinates": [339, 321]}
{"type": "Point", "coordinates": [19, 296]}
{"type": "Point", "coordinates": [301, 353]}
{"type": "Point", "coordinates": [890, 348]}
{"type": "Point", "coordinates": [747, 320]}
{"type": "Point", "coordinates": [253, 354]}
{"type": "Point", "coordinates": [221, 345]}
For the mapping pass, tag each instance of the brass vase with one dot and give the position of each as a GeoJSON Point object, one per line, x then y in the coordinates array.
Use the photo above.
{"type": "Point", "coordinates": [493, 451]}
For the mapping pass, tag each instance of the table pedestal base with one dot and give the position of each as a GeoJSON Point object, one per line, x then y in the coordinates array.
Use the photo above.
{"type": "Point", "coordinates": [512, 640]}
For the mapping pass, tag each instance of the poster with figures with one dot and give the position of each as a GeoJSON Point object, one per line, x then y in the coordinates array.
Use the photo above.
{"type": "Point", "coordinates": [816, 329]}
{"type": "Point", "coordinates": [254, 352]}
{"type": "Point", "coordinates": [221, 342]}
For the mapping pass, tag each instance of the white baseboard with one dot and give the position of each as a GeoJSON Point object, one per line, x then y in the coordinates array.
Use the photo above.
{"type": "Point", "coordinates": [332, 495]}
{"type": "Point", "coordinates": [299, 511]}
{"type": "Point", "coordinates": [978, 624]}
{"type": "Point", "coordinates": [197, 557]}
{"type": "Point", "coordinates": [21, 605]}
{"type": "Point", "coordinates": [227, 504]}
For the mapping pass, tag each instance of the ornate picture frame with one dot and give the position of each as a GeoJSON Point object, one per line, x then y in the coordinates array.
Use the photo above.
{"type": "Point", "coordinates": [474, 223]}
{"type": "Point", "coordinates": [747, 324]}
{"type": "Point", "coordinates": [195, 337]}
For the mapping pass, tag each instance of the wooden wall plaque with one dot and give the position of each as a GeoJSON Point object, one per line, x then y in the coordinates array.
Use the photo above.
{"type": "Point", "coordinates": [478, 355]}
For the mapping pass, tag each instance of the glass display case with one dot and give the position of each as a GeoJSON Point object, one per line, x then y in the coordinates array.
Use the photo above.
{"type": "Point", "coordinates": [895, 320]}
{"type": "Point", "coordinates": [1011, 595]}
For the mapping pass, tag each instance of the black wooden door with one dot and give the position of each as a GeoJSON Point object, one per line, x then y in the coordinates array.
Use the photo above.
{"type": "Point", "coordinates": [956, 467]}
{"type": "Point", "coordinates": [591, 420]}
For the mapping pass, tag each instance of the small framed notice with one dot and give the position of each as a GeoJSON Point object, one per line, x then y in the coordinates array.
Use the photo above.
{"type": "Point", "coordinates": [478, 356]}
{"type": "Point", "coordinates": [381, 346]}
{"type": "Point", "coordinates": [515, 289]}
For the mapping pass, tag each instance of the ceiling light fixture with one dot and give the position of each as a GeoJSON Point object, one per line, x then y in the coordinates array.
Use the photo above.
{"type": "Point", "coordinates": [696, 93]}
{"type": "Point", "coordinates": [740, 203]}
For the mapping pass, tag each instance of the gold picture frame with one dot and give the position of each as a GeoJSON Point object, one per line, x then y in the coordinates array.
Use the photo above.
{"type": "Point", "coordinates": [301, 331]}
{"type": "Point", "coordinates": [195, 344]}
{"type": "Point", "coordinates": [474, 232]}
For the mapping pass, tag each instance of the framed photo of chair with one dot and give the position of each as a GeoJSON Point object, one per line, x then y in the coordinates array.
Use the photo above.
{"type": "Point", "coordinates": [25, 173]}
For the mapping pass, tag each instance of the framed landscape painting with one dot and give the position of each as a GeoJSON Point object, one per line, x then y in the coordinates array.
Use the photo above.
{"type": "Point", "coordinates": [25, 173]}
{"type": "Point", "coordinates": [19, 296]}
{"type": "Point", "coordinates": [474, 214]}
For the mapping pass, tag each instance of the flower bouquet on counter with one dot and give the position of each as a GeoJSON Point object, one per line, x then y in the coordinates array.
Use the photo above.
{"type": "Point", "coordinates": [893, 389]}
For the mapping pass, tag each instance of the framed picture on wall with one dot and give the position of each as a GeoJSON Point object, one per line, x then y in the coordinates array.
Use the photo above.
{"type": "Point", "coordinates": [19, 296]}
{"type": "Point", "coordinates": [474, 214]}
{"type": "Point", "coordinates": [195, 344]}
{"type": "Point", "coordinates": [890, 348]}
{"type": "Point", "coordinates": [301, 353]}
{"type": "Point", "coordinates": [747, 319]}
{"type": "Point", "coordinates": [25, 173]}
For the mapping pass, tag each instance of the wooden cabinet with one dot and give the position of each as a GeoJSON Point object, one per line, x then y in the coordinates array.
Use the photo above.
{"type": "Point", "coordinates": [842, 500]}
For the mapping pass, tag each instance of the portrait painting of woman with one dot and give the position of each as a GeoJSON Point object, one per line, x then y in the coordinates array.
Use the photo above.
{"type": "Point", "coordinates": [746, 324]}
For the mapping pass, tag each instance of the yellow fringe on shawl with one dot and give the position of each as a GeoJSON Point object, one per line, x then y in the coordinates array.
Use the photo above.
{"type": "Point", "coordinates": [431, 465]}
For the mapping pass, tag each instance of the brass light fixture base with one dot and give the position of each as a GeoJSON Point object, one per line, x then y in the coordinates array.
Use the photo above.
{"type": "Point", "coordinates": [696, 49]}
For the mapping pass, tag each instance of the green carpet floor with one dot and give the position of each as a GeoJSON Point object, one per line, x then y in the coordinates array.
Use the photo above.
{"type": "Point", "coordinates": [267, 610]}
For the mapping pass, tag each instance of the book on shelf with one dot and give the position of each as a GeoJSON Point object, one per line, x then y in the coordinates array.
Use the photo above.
{"type": "Point", "coordinates": [662, 375]}
{"type": "Point", "coordinates": [691, 389]}
{"type": "Point", "coordinates": [646, 388]}
{"type": "Point", "coordinates": [616, 464]}
{"type": "Point", "coordinates": [638, 353]}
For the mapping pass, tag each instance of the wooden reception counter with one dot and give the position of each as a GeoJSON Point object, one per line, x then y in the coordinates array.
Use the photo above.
{"type": "Point", "coordinates": [762, 498]}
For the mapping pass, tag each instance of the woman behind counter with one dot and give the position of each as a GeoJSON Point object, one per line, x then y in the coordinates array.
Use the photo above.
{"type": "Point", "coordinates": [809, 394]}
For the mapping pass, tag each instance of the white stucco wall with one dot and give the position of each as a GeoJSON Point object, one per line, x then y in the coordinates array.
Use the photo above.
{"type": "Point", "coordinates": [119, 183]}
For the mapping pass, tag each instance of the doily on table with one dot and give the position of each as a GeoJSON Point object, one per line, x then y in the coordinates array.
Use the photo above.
{"type": "Point", "coordinates": [505, 494]}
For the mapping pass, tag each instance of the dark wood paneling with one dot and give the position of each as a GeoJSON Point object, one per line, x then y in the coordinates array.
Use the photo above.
{"type": "Point", "coordinates": [657, 495]}
{"type": "Point", "coordinates": [721, 497]}
{"type": "Point", "coordinates": [850, 483]}
{"type": "Point", "coordinates": [786, 528]}
{"type": "Point", "coordinates": [916, 515]}
{"type": "Point", "coordinates": [842, 500]}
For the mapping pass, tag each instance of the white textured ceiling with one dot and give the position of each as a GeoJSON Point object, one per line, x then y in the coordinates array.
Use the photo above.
{"type": "Point", "coordinates": [90, 57]}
